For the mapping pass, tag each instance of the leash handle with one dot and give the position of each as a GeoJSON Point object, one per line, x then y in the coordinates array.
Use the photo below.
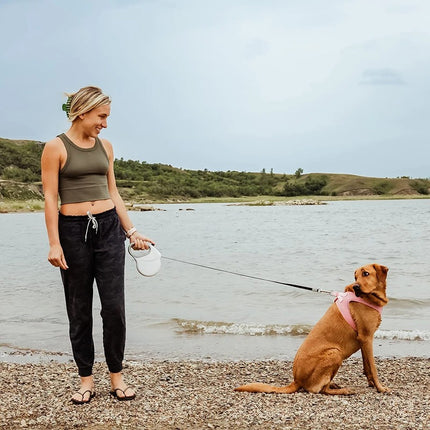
{"type": "Point", "coordinates": [148, 261]}
{"type": "Point", "coordinates": [138, 252]}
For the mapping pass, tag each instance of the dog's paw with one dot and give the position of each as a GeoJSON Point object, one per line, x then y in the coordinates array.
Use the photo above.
{"type": "Point", "coordinates": [383, 389]}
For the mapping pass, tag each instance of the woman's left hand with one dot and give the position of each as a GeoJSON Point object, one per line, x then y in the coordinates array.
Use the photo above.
{"type": "Point", "coordinates": [138, 241]}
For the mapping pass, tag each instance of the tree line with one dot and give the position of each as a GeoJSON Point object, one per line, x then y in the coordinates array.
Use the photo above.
{"type": "Point", "coordinates": [20, 162]}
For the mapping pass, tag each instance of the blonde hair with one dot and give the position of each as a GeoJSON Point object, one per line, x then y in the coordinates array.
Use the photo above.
{"type": "Point", "coordinates": [84, 100]}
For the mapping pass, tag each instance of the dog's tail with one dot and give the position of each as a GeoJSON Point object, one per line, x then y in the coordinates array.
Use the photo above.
{"type": "Point", "coordinates": [257, 387]}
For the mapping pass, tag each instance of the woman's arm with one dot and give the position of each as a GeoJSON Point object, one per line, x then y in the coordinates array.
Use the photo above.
{"type": "Point", "coordinates": [50, 165]}
{"type": "Point", "coordinates": [138, 239]}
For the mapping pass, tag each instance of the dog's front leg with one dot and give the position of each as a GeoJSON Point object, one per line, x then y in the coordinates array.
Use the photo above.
{"type": "Point", "coordinates": [366, 369]}
{"type": "Point", "coordinates": [366, 345]}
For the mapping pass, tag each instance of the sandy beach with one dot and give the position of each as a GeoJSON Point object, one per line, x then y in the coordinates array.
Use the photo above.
{"type": "Point", "coordinates": [199, 395]}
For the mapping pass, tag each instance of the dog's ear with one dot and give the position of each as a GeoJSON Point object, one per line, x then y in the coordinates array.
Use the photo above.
{"type": "Point", "coordinates": [381, 271]}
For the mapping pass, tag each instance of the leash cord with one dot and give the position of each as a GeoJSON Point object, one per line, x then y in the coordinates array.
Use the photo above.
{"type": "Point", "coordinates": [315, 290]}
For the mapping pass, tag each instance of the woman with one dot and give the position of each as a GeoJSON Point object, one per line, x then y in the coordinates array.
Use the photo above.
{"type": "Point", "coordinates": [86, 236]}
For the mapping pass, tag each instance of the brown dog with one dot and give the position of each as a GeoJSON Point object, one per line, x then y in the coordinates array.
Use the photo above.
{"type": "Point", "coordinates": [333, 339]}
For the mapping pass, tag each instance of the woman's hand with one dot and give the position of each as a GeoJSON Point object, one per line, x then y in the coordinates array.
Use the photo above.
{"type": "Point", "coordinates": [138, 241]}
{"type": "Point", "coordinates": [56, 257]}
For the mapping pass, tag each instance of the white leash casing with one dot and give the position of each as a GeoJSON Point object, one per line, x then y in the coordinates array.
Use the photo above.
{"type": "Point", "coordinates": [148, 261]}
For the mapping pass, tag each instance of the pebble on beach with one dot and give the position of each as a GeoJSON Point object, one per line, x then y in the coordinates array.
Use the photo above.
{"type": "Point", "coordinates": [199, 395]}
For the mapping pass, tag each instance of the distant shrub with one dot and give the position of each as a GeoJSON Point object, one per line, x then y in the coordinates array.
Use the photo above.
{"type": "Point", "coordinates": [24, 156]}
{"type": "Point", "coordinates": [421, 186]}
{"type": "Point", "coordinates": [312, 186]}
{"type": "Point", "coordinates": [298, 173]}
{"type": "Point", "coordinates": [21, 175]}
{"type": "Point", "coordinates": [293, 188]}
{"type": "Point", "coordinates": [315, 183]}
{"type": "Point", "coordinates": [382, 187]}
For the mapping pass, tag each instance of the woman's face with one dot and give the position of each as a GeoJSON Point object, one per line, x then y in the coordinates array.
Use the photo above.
{"type": "Point", "coordinates": [95, 120]}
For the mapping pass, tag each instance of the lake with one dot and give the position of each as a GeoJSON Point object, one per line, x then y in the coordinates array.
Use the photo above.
{"type": "Point", "coordinates": [191, 312]}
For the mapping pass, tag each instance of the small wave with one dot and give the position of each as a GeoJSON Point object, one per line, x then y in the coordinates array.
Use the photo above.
{"type": "Point", "coordinates": [402, 334]}
{"type": "Point", "coordinates": [408, 303]}
{"type": "Point", "coordinates": [19, 350]}
{"type": "Point", "coordinates": [245, 329]}
{"type": "Point", "coordinates": [25, 319]}
{"type": "Point", "coordinates": [250, 329]}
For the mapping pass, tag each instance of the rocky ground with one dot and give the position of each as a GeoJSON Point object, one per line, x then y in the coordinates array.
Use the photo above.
{"type": "Point", "coordinates": [199, 395]}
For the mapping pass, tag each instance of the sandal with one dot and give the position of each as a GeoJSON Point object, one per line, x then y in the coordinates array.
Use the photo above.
{"type": "Point", "coordinates": [124, 397]}
{"type": "Point", "coordinates": [82, 402]}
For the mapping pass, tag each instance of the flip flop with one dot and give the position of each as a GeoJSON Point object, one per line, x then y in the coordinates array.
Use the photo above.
{"type": "Point", "coordinates": [82, 402]}
{"type": "Point", "coordinates": [124, 397]}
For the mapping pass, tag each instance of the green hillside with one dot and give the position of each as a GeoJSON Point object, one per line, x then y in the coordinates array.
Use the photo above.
{"type": "Point", "coordinates": [139, 181]}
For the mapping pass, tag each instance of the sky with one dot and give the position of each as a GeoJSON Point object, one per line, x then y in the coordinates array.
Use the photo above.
{"type": "Point", "coordinates": [337, 86]}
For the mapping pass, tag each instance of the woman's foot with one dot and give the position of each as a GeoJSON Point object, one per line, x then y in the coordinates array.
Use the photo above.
{"type": "Point", "coordinates": [86, 391]}
{"type": "Point", "coordinates": [119, 389]}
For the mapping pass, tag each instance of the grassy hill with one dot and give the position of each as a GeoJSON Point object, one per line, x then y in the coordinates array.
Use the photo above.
{"type": "Point", "coordinates": [141, 182]}
{"type": "Point", "coordinates": [352, 185]}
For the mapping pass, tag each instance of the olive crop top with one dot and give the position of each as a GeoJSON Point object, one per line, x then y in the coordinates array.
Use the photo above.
{"type": "Point", "coordinates": [84, 176]}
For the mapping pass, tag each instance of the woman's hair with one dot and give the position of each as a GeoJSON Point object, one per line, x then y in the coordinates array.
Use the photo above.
{"type": "Point", "coordinates": [84, 100]}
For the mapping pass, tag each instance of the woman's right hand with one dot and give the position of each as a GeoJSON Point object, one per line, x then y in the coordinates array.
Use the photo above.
{"type": "Point", "coordinates": [138, 241]}
{"type": "Point", "coordinates": [56, 257]}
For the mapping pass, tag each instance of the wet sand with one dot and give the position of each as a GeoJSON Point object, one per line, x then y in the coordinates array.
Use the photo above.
{"type": "Point", "coordinates": [199, 395]}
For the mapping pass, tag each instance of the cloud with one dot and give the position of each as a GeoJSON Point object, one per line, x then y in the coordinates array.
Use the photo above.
{"type": "Point", "coordinates": [227, 85]}
{"type": "Point", "coordinates": [256, 47]}
{"type": "Point", "coordinates": [381, 77]}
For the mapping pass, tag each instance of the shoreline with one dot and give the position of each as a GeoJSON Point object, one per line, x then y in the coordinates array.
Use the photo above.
{"type": "Point", "coordinates": [232, 349]}
{"type": "Point", "coordinates": [199, 395]}
{"type": "Point", "coordinates": [27, 206]}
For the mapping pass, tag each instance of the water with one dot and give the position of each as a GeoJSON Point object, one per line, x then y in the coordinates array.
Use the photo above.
{"type": "Point", "coordinates": [188, 312]}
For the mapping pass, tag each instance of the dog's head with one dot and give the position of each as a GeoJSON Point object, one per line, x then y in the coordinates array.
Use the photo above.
{"type": "Point", "coordinates": [370, 283]}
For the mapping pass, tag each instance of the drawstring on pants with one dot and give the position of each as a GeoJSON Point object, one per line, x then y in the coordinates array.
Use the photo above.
{"type": "Point", "coordinates": [95, 224]}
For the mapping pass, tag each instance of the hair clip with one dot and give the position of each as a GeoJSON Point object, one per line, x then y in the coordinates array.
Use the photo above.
{"type": "Point", "coordinates": [66, 106]}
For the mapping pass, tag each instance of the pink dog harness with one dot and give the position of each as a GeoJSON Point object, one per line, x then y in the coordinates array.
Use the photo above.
{"type": "Point", "coordinates": [342, 301]}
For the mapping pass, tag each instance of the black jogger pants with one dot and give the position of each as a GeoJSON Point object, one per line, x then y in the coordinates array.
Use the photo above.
{"type": "Point", "coordinates": [94, 249]}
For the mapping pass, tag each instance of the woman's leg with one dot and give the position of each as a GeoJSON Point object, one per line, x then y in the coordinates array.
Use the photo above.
{"type": "Point", "coordinates": [109, 273]}
{"type": "Point", "coordinates": [78, 288]}
{"type": "Point", "coordinates": [78, 282]}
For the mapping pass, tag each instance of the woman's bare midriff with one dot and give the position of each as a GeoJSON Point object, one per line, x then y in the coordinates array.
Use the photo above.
{"type": "Point", "coordinates": [82, 208]}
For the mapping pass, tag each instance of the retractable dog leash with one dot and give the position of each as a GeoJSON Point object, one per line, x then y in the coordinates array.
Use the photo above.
{"type": "Point", "coordinates": [148, 263]}
{"type": "Point", "coordinates": [315, 290]}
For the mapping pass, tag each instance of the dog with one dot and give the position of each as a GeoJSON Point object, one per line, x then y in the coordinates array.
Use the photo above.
{"type": "Point", "coordinates": [333, 338]}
